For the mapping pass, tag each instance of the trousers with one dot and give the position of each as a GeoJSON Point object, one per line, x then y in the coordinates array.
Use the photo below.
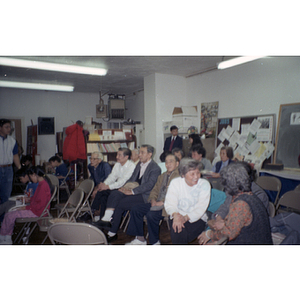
{"type": "Point", "coordinates": [101, 201]}
{"type": "Point", "coordinates": [136, 224]}
{"type": "Point", "coordinates": [6, 180]}
{"type": "Point", "coordinates": [122, 203]}
{"type": "Point", "coordinates": [188, 233]}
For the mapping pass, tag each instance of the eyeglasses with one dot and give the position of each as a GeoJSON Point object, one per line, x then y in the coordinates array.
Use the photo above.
{"type": "Point", "coordinates": [94, 158]}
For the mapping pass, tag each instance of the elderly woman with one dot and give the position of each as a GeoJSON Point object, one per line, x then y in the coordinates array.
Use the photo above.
{"type": "Point", "coordinates": [247, 221]}
{"type": "Point", "coordinates": [226, 155]}
{"type": "Point", "coordinates": [186, 202]}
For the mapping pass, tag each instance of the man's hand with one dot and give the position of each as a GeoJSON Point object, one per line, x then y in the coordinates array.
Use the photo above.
{"type": "Point", "coordinates": [125, 191]}
{"type": "Point", "coordinates": [156, 203]}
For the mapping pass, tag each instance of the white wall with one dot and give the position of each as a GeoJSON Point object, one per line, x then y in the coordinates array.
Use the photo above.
{"type": "Point", "coordinates": [67, 108]}
{"type": "Point", "coordinates": [162, 94]}
{"type": "Point", "coordinates": [255, 88]}
{"type": "Point", "coordinates": [135, 107]}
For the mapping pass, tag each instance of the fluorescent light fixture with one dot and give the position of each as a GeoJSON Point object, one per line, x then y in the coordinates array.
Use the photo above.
{"type": "Point", "coordinates": [32, 64]}
{"type": "Point", "coordinates": [237, 61]}
{"type": "Point", "coordinates": [36, 86]}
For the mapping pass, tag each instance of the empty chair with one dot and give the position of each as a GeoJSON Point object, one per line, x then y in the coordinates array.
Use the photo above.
{"type": "Point", "coordinates": [289, 202]}
{"type": "Point", "coordinates": [76, 234]}
{"type": "Point", "coordinates": [55, 182]}
{"type": "Point", "coordinates": [270, 183]}
{"type": "Point", "coordinates": [87, 186]}
{"type": "Point", "coordinates": [297, 188]}
{"type": "Point", "coordinates": [272, 209]}
{"type": "Point", "coordinates": [64, 184]}
{"type": "Point", "coordinates": [70, 208]}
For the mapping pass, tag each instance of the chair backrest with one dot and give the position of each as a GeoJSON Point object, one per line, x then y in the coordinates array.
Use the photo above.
{"type": "Point", "coordinates": [64, 181]}
{"type": "Point", "coordinates": [289, 201]}
{"type": "Point", "coordinates": [74, 201]}
{"type": "Point", "coordinates": [87, 186]}
{"type": "Point", "coordinates": [297, 188]}
{"type": "Point", "coordinates": [270, 183]}
{"type": "Point", "coordinates": [272, 209]}
{"type": "Point", "coordinates": [76, 234]}
{"type": "Point", "coordinates": [54, 180]}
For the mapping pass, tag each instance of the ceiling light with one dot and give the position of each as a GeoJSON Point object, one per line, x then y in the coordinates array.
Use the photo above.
{"type": "Point", "coordinates": [237, 61]}
{"type": "Point", "coordinates": [40, 65]}
{"type": "Point", "coordinates": [36, 86]}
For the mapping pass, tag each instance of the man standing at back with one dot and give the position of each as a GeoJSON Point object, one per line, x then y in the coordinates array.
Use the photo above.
{"type": "Point", "coordinates": [173, 141]}
{"type": "Point", "coordinates": [8, 156]}
{"type": "Point", "coordinates": [145, 176]}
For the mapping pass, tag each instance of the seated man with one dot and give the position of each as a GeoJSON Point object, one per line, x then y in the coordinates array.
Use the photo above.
{"type": "Point", "coordinates": [99, 170]}
{"type": "Point", "coordinates": [61, 169]}
{"type": "Point", "coordinates": [135, 156]}
{"type": "Point", "coordinates": [153, 210]}
{"type": "Point", "coordinates": [120, 173]}
{"type": "Point", "coordinates": [29, 191]}
{"type": "Point", "coordinates": [145, 174]}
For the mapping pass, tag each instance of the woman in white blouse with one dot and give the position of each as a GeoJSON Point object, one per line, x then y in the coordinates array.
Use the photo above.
{"type": "Point", "coordinates": [186, 202]}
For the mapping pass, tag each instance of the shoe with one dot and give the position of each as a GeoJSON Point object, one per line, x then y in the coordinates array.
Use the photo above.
{"type": "Point", "coordinates": [110, 239]}
{"type": "Point", "coordinates": [97, 218]}
{"type": "Point", "coordinates": [157, 243]}
{"type": "Point", "coordinates": [137, 242]}
{"type": "Point", "coordinates": [85, 217]}
{"type": "Point", "coordinates": [102, 224]}
{"type": "Point", "coordinates": [7, 240]}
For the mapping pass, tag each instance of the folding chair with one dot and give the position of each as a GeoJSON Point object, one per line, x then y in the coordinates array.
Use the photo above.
{"type": "Point", "coordinates": [71, 206]}
{"type": "Point", "coordinates": [270, 183]}
{"type": "Point", "coordinates": [64, 184]}
{"type": "Point", "coordinates": [76, 234]}
{"type": "Point", "coordinates": [55, 182]}
{"type": "Point", "coordinates": [297, 188]}
{"type": "Point", "coordinates": [87, 186]}
{"type": "Point", "coordinates": [289, 202]}
{"type": "Point", "coordinates": [28, 221]}
{"type": "Point", "coordinates": [272, 209]}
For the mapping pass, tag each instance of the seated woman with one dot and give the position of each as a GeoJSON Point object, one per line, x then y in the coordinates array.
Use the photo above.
{"type": "Point", "coordinates": [247, 222]}
{"type": "Point", "coordinates": [186, 202]}
{"type": "Point", "coordinates": [37, 204]}
{"type": "Point", "coordinates": [226, 154]}
{"type": "Point", "coordinates": [195, 139]}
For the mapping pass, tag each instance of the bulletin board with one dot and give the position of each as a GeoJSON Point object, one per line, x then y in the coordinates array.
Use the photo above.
{"type": "Point", "coordinates": [252, 137]}
{"type": "Point", "coordinates": [287, 148]}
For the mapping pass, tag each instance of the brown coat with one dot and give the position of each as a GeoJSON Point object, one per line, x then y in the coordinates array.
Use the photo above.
{"type": "Point", "coordinates": [155, 191]}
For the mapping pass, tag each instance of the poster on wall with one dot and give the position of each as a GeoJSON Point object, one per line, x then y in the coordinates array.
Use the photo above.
{"type": "Point", "coordinates": [209, 118]}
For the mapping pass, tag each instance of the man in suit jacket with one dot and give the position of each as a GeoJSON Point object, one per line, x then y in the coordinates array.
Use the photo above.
{"type": "Point", "coordinates": [145, 176]}
{"type": "Point", "coordinates": [169, 143]}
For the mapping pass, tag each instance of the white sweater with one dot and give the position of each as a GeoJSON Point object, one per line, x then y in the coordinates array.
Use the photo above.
{"type": "Point", "coordinates": [188, 200]}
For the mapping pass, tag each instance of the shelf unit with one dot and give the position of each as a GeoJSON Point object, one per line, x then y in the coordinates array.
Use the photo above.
{"type": "Point", "coordinates": [108, 144]}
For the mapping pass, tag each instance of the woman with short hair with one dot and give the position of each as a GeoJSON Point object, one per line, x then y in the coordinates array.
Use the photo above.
{"type": "Point", "coordinates": [186, 202]}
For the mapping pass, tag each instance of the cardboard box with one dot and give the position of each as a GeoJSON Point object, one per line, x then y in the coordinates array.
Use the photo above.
{"type": "Point", "coordinates": [185, 111]}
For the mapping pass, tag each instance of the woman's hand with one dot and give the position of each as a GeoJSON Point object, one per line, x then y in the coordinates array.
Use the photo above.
{"type": "Point", "coordinates": [204, 237]}
{"type": "Point", "coordinates": [178, 222]}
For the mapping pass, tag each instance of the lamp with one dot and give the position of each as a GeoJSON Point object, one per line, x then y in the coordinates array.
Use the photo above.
{"type": "Point", "coordinates": [237, 61]}
{"type": "Point", "coordinates": [36, 86]}
{"type": "Point", "coordinates": [40, 65]}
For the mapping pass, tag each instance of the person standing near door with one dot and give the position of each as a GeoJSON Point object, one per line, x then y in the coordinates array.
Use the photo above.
{"type": "Point", "coordinates": [173, 141]}
{"type": "Point", "coordinates": [8, 156]}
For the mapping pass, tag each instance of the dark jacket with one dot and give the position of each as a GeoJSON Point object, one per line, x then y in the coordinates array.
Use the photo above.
{"type": "Point", "coordinates": [259, 231]}
{"type": "Point", "coordinates": [148, 180]}
{"type": "Point", "coordinates": [177, 143]}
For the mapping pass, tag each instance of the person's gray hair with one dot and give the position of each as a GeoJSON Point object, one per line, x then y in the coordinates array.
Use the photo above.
{"type": "Point", "coordinates": [235, 179]}
{"type": "Point", "coordinates": [99, 154]}
{"type": "Point", "coordinates": [150, 149]}
{"type": "Point", "coordinates": [189, 164]}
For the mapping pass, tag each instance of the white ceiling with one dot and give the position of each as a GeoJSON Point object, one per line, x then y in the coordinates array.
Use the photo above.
{"type": "Point", "coordinates": [125, 73]}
